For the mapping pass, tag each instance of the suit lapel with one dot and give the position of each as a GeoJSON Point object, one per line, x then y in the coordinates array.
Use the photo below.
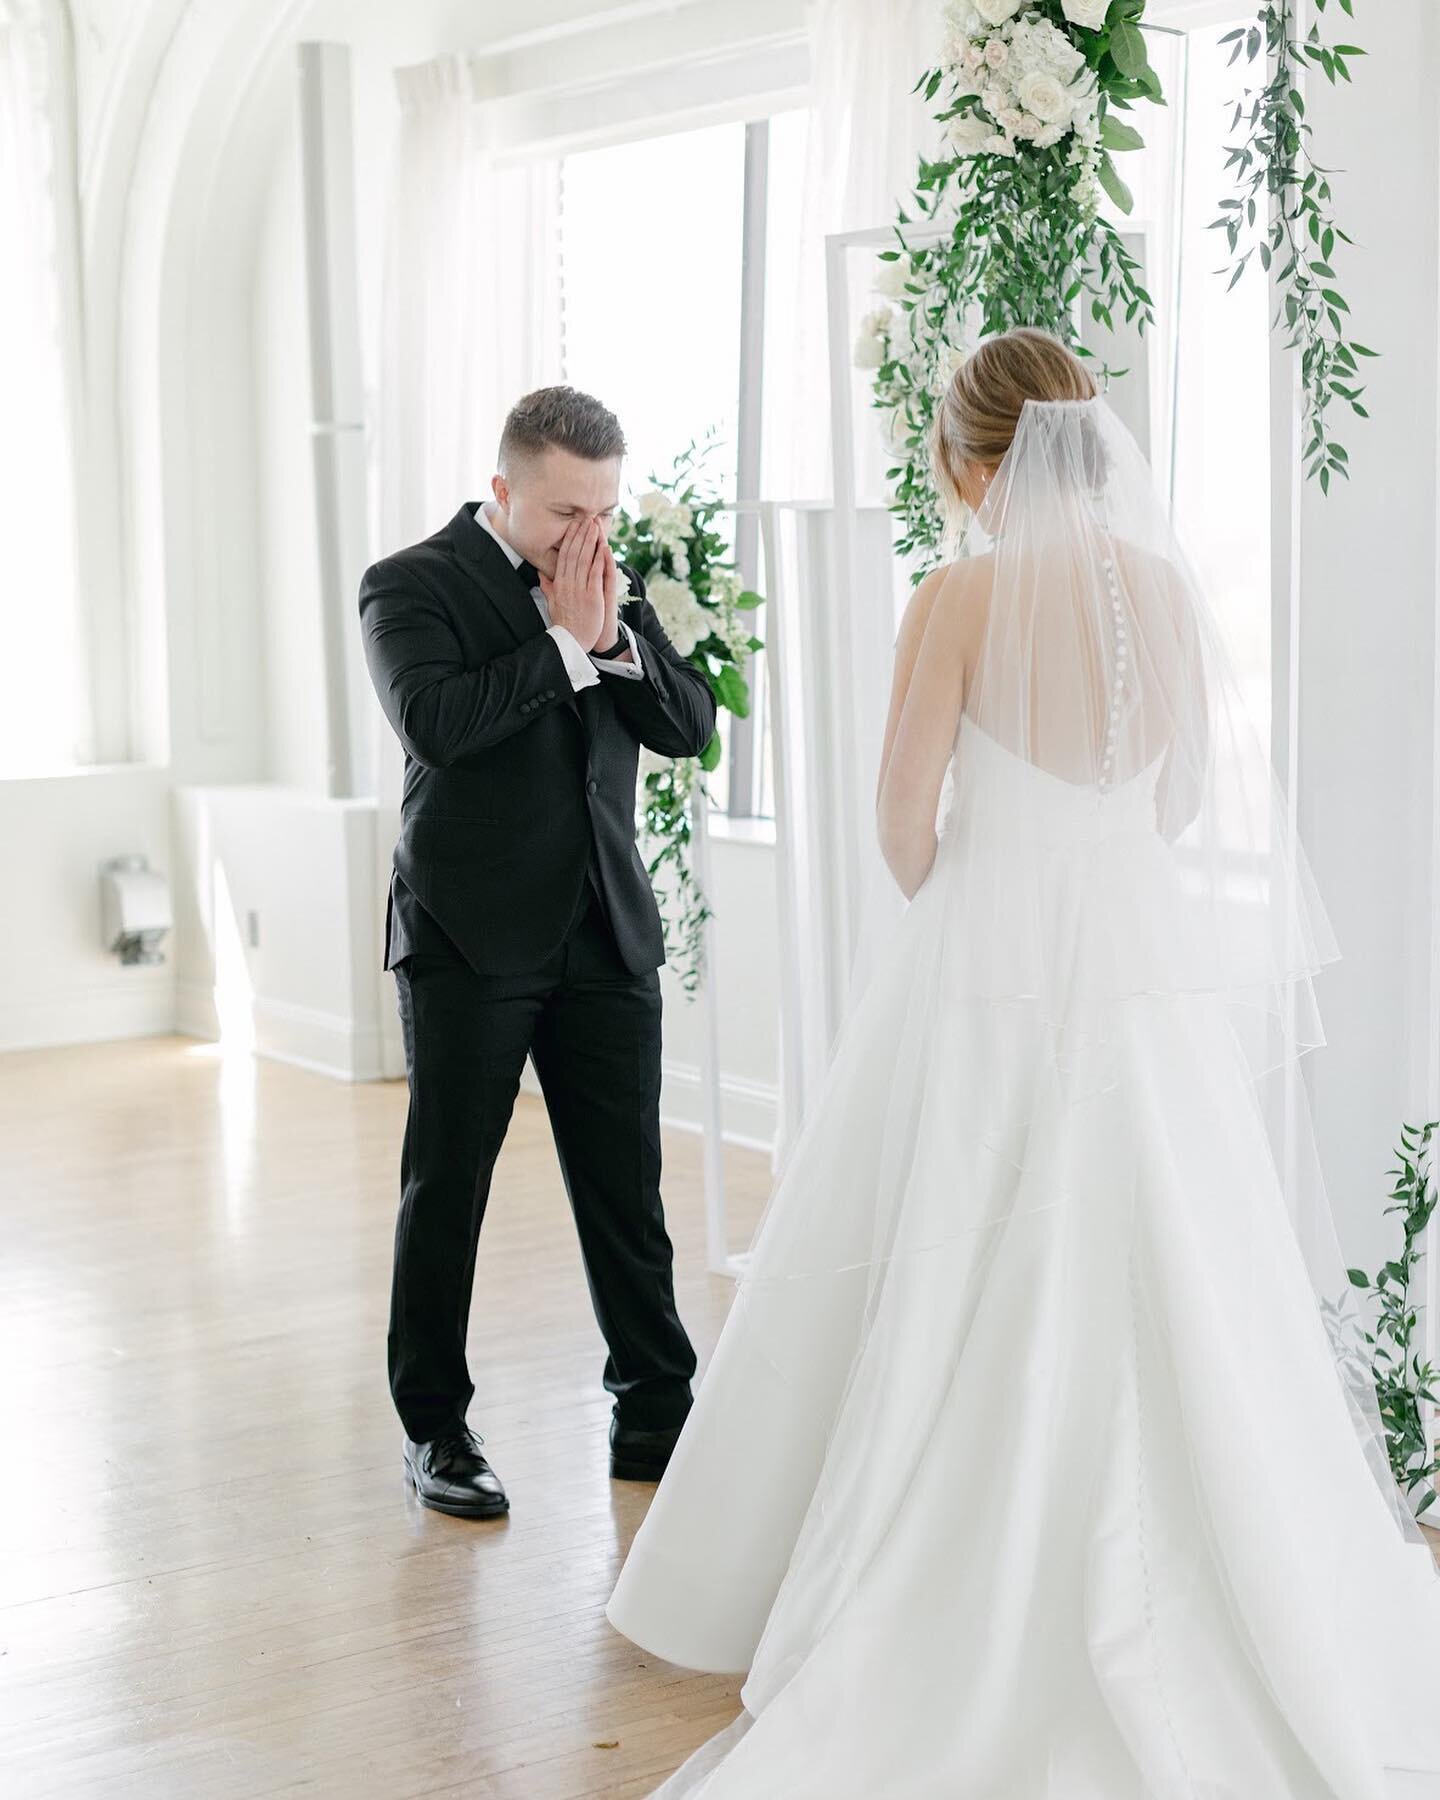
{"type": "Point", "coordinates": [501, 584]}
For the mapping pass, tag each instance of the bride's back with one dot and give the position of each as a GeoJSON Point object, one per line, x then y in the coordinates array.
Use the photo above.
{"type": "Point", "coordinates": [1091, 665]}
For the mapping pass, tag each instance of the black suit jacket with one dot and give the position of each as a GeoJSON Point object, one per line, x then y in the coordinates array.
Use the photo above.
{"type": "Point", "coordinates": [513, 779]}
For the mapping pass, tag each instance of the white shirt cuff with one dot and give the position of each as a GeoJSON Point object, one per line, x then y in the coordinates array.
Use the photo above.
{"type": "Point", "coordinates": [635, 670]}
{"type": "Point", "coordinates": [578, 665]}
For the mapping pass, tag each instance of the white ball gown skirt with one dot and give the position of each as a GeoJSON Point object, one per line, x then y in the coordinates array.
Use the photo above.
{"type": "Point", "coordinates": [1022, 1469]}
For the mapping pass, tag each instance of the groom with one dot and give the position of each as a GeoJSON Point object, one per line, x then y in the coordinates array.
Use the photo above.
{"type": "Point", "coordinates": [521, 681]}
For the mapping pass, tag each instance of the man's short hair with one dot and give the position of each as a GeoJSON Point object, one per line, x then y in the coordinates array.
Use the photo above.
{"type": "Point", "coordinates": [561, 415]}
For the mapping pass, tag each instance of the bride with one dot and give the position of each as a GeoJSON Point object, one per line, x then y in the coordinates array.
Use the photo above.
{"type": "Point", "coordinates": [1039, 1456]}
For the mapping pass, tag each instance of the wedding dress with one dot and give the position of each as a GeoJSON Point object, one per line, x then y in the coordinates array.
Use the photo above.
{"type": "Point", "coordinates": [1039, 1456]}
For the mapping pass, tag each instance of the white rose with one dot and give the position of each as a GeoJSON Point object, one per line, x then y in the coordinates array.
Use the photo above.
{"type": "Point", "coordinates": [974, 57]}
{"type": "Point", "coordinates": [994, 100]}
{"type": "Point", "coordinates": [968, 133]}
{"type": "Point", "coordinates": [1043, 95]}
{"type": "Point", "coordinates": [1028, 127]}
{"type": "Point", "coordinates": [999, 145]}
{"type": "Point", "coordinates": [996, 12]}
{"type": "Point", "coordinates": [650, 503]}
{"type": "Point", "coordinates": [1090, 14]}
{"type": "Point", "coordinates": [997, 53]}
{"type": "Point", "coordinates": [1009, 119]}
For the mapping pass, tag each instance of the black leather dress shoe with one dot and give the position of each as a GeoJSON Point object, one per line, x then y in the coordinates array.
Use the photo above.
{"type": "Point", "coordinates": [451, 1475]}
{"type": "Point", "coordinates": [640, 1455]}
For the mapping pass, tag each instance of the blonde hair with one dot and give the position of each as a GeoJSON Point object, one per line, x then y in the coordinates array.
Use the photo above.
{"type": "Point", "coordinates": [980, 409]}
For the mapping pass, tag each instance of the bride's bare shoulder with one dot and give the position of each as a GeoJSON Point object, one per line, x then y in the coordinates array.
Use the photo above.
{"type": "Point", "coordinates": [952, 592]}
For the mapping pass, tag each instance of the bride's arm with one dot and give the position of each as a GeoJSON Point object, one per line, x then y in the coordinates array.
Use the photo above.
{"type": "Point", "coordinates": [907, 648]}
{"type": "Point", "coordinates": [920, 732]}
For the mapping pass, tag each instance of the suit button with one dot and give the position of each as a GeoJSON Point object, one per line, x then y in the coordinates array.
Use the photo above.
{"type": "Point", "coordinates": [592, 787]}
{"type": "Point", "coordinates": [549, 693]}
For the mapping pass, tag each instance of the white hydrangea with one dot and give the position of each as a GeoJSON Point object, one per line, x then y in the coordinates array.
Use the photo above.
{"type": "Point", "coordinates": [685, 621]}
{"type": "Point", "coordinates": [1037, 44]}
{"type": "Point", "coordinates": [670, 520]}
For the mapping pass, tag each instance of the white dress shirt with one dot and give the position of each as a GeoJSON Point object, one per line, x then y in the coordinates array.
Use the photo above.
{"type": "Point", "coordinates": [580, 664]}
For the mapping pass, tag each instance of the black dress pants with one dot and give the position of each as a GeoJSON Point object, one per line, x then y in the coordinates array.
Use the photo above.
{"type": "Point", "coordinates": [592, 1029]}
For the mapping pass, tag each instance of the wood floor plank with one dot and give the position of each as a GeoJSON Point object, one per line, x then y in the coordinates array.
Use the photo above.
{"type": "Point", "coordinates": [215, 1582]}
{"type": "Point", "coordinates": [214, 1578]}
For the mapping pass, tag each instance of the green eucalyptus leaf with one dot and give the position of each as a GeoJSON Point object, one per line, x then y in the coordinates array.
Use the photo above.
{"type": "Point", "coordinates": [1116, 135]}
{"type": "Point", "coordinates": [1113, 185]}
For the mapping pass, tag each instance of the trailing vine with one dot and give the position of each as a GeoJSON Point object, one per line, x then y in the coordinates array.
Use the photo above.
{"type": "Point", "coordinates": [1277, 175]}
{"type": "Point", "coordinates": [1032, 97]}
{"type": "Point", "coordinates": [1403, 1384]}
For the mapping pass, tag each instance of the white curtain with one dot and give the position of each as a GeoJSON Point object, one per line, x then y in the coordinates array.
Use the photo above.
{"type": "Point", "coordinates": [471, 301]}
{"type": "Point", "coordinates": [45, 713]}
{"type": "Point", "coordinates": [866, 133]}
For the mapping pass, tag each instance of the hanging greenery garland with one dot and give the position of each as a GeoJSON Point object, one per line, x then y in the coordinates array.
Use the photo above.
{"type": "Point", "coordinates": [1279, 180]}
{"type": "Point", "coordinates": [1033, 93]}
{"type": "Point", "coordinates": [1033, 96]}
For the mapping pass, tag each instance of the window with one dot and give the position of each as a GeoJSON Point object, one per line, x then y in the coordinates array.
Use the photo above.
{"type": "Point", "coordinates": [1208, 368]}
{"type": "Point", "coordinates": [667, 336]}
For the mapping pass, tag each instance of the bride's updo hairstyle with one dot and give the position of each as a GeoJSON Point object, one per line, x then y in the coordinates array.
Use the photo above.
{"type": "Point", "coordinates": [980, 410]}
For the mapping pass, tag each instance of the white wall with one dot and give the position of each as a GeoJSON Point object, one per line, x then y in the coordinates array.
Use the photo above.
{"type": "Point", "coordinates": [201, 558]}
{"type": "Point", "coordinates": [1367, 637]}
{"type": "Point", "coordinates": [58, 983]}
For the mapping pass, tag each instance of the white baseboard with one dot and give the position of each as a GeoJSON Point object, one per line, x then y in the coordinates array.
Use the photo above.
{"type": "Point", "coordinates": [326, 1043]}
{"type": "Point", "coordinates": [138, 1002]}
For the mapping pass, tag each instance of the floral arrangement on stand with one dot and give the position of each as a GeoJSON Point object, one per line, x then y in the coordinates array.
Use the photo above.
{"type": "Point", "coordinates": [706, 611]}
{"type": "Point", "coordinates": [1032, 116]}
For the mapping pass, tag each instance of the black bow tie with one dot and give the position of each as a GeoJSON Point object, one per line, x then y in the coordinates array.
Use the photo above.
{"type": "Point", "coordinates": [528, 573]}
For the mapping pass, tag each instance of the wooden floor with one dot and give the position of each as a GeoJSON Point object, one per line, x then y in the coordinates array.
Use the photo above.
{"type": "Point", "coordinates": [214, 1579]}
